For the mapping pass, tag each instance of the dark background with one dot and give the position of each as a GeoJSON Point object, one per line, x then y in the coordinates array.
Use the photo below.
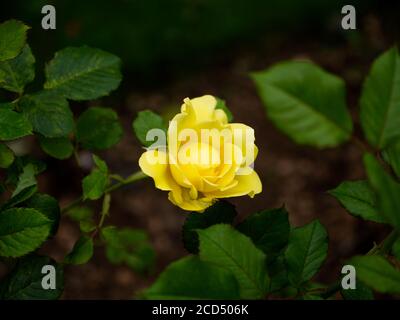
{"type": "Point", "coordinates": [179, 48]}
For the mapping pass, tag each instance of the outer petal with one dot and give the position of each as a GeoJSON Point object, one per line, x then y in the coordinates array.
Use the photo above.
{"type": "Point", "coordinates": [203, 107]}
{"type": "Point", "coordinates": [159, 171]}
{"type": "Point", "coordinates": [221, 116]}
{"type": "Point", "coordinates": [243, 136]}
{"type": "Point", "coordinates": [247, 184]}
{"type": "Point", "coordinates": [177, 124]}
{"type": "Point", "coordinates": [190, 204]}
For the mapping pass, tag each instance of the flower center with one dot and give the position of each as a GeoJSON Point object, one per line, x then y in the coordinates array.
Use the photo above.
{"type": "Point", "coordinates": [201, 155]}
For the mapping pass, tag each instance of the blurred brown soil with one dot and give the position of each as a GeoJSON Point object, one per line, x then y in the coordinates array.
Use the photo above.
{"type": "Point", "coordinates": [293, 175]}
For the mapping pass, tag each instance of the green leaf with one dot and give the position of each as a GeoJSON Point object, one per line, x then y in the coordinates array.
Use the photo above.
{"type": "Point", "coordinates": [129, 246]}
{"type": "Point", "coordinates": [94, 185]}
{"type": "Point", "coordinates": [83, 73]}
{"type": "Point", "coordinates": [380, 100]}
{"type": "Point", "coordinates": [87, 226]}
{"type": "Point", "coordinates": [145, 121]}
{"type": "Point", "coordinates": [6, 156]}
{"type": "Point", "coordinates": [98, 128]}
{"type": "Point", "coordinates": [13, 125]}
{"type": "Point", "coordinates": [392, 156]}
{"type": "Point", "coordinates": [80, 213]}
{"type": "Point", "coordinates": [359, 199]}
{"type": "Point", "coordinates": [3, 76]}
{"type": "Point", "coordinates": [316, 117]}
{"type": "Point", "coordinates": [306, 251]}
{"type": "Point", "coordinates": [7, 105]}
{"type": "Point", "coordinates": [220, 212]}
{"type": "Point", "coordinates": [277, 271]}
{"type": "Point", "coordinates": [96, 182]}
{"type": "Point", "coordinates": [22, 230]}
{"type": "Point", "coordinates": [59, 148]}
{"type": "Point", "coordinates": [361, 292]}
{"type": "Point", "coordinates": [269, 230]}
{"type": "Point", "coordinates": [377, 273]}
{"type": "Point", "coordinates": [191, 278]}
{"type": "Point", "coordinates": [48, 113]}
{"type": "Point", "coordinates": [25, 186]}
{"type": "Point", "coordinates": [82, 251]}
{"type": "Point", "coordinates": [396, 249]}
{"type": "Point", "coordinates": [224, 246]}
{"type": "Point", "coordinates": [18, 72]}
{"type": "Point", "coordinates": [386, 189]}
{"type": "Point", "coordinates": [222, 105]}
{"type": "Point", "coordinates": [48, 206]}
{"type": "Point", "coordinates": [12, 39]}
{"type": "Point", "coordinates": [20, 197]}
{"type": "Point", "coordinates": [25, 281]}
{"type": "Point", "coordinates": [25, 180]}
{"type": "Point", "coordinates": [84, 216]}
{"type": "Point", "coordinates": [18, 166]}
{"type": "Point", "coordinates": [312, 291]}
{"type": "Point", "coordinates": [101, 165]}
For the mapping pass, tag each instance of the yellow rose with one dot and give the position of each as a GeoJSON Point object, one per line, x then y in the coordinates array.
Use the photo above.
{"type": "Point", "coordinates": [206, 158]}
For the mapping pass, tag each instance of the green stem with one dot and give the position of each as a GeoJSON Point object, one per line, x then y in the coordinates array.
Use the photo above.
{"type": "Point", "coordinates": [365, 147]}
{"type": "Point", "coordinates": [116, 177]}
{"type": "Point", "coordinates": [104, 212]}
{"type": "Point", "coordinates": [374, 250]}
{"type": "Point", "coordinates": [387, 244]}
{"type": "Point", "coordinates": [131, 179]}
{"type": "Point", "coordinates": [72, 204]}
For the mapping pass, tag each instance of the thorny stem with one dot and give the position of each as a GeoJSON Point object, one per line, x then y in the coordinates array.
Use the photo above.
{"type": "Point", "coordinates": [139, 175]}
